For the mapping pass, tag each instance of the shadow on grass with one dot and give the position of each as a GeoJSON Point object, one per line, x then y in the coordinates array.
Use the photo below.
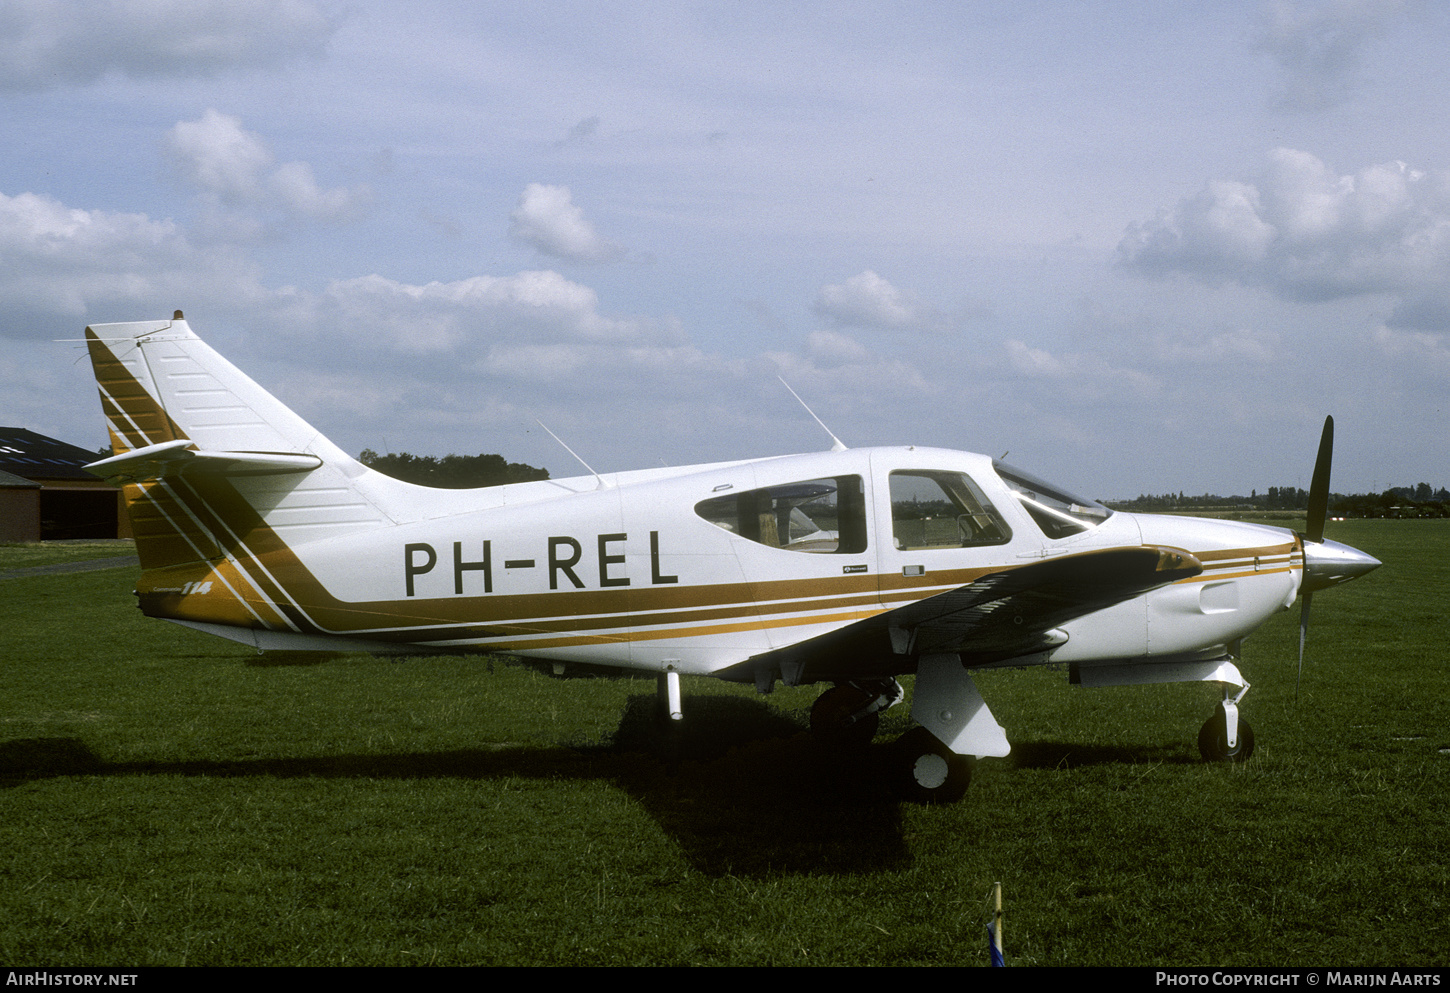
{"type": "Point", "coordinates": [746, 791]}
{"type": "Point", "coordinates": [742, 790]}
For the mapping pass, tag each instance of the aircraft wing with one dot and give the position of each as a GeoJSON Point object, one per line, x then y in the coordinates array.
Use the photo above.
{"type": "Point", "coordinates": [1006, 614]}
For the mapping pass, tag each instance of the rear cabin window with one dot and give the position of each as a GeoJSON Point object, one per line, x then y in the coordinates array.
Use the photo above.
{"type": "Point", "coordinates": [932, 509]}
{"type": "Point", "coordinates": [824, 516]}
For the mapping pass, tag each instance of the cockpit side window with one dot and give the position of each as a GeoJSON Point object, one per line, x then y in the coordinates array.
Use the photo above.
{"type": "Point", "coordinates": [1055, 510]}
{"type": "Point", "coordinates": [939, 509]}
{"type": "Point", "coordinates": [825, 515]}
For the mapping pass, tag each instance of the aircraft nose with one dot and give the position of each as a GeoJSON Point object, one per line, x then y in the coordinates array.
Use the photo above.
{"type": "Point", "coordinates": [1329, 563]}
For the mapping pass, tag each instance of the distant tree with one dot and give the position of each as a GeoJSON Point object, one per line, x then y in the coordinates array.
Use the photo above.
{"type": "Point", "coordinates": [452, 472]}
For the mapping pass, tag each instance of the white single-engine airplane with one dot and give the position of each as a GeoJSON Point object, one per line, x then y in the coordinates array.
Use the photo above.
{"type": "Point", "coordinates": [850, 567]}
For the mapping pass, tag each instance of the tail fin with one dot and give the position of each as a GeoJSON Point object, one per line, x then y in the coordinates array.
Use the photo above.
{"type": "Point", "coordinates": [208, 458]}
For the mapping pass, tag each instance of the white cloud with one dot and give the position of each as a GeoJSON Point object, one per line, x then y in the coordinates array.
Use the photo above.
{"type": "Point", "coordinates": [296, 189]}
{"type": "Point", "coordinates": [234, 167]}
{"type": "Point", "coordinates": [1428, 354]}
{"type": "Point", "coordinates": [465, 317]}
{"type": "Point", "coordinates": [833, 365]}
{"type": "Point", "coordinates": [1079, 376]}
{"type": "Point", "coordinates": [479, 358]}
{"type": "Point", "coordinates": [547, 219]}
{"type": "Point", "coordinates": [830, 349]}
{"type": "Point", "coordinates": [867, 300]}
{"type": "Point", "coordinates": [215, 153]}
{"type": "Point", "coordinates": [1240, 346]}
{"type": "Point", "coordinates": [45, 43]}
{"type": "Point", "coordinates": [1034, 361]}
{"type": "Point", "coordinates": [543, 364]}
{"type": "Point", "coordinates": [60, 260]}
{"type": "Point", "coordinates": [1219, 232]}
{"type": "Point", "coordinates": [1305, 232]}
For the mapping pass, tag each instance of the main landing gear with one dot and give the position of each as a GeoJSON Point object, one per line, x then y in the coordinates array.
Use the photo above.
{"type": "Point", "coordinates": [921, 767]}
{"type": "Point", "coordinates": [849, 713]}
{"type": "Point", "coordinates": [926, 771]}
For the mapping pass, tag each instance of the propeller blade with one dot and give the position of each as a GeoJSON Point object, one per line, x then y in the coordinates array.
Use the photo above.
{"type": "Point", "coordinates": [1319, 487]}
{"type": "Point", "coordinates": [1314, 530]}
{"type": "Point", "coordinates": [1303, 632]}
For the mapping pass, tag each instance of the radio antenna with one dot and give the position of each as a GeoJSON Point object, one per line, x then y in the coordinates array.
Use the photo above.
{"type": "Point", "coordinates": [602, 484]}
{"type": "Point", "coordinates": [839, 445]}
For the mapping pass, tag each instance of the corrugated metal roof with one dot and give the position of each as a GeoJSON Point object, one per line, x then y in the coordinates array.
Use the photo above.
{"type": "Point", "coordinates": [10, 481]}
{"type": "Point", "coordinates": [34, 456]}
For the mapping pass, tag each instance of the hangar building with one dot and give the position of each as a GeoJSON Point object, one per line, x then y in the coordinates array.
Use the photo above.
{"type": "Point", "coordinates": [46, 495]}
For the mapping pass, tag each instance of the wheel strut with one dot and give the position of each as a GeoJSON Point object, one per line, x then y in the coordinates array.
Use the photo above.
{"type": "Point", "coordinates": [1227, 737]}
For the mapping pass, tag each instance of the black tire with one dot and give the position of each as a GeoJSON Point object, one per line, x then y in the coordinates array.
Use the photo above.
{"type": "Point", "coordinates": [833, 710]}
{"type": "Point", "coordinates": [1213, 740]}
{"type": "Point", "coordinates": [926, 771]}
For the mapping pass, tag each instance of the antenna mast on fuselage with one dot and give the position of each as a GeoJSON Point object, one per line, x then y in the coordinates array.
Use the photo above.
{"type": "Point", "coordinates": [839, 445]}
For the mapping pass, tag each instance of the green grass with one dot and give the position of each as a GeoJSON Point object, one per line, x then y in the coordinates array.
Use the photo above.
{"type": "Point", "coordinates": [25, 555]}
{"type": "Point", "coordinates": [170, 798]}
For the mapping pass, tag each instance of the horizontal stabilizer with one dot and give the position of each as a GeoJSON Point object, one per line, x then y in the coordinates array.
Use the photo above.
{"type": "Point", "coordinates": [175, 458]}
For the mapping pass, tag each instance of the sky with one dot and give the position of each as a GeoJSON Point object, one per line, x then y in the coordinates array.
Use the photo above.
{"type": "Point", "coordinates": [1139, 247]}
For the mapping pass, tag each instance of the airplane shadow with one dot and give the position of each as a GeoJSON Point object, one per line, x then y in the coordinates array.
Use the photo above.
{"type": "Point", "coordinates": [745, 790]}
{"type": "Point", "coordinates": [742, 790]}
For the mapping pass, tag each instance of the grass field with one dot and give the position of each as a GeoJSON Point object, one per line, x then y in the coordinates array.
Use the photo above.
{"type": "Point", "coordinates": [174, 799]}
{"type": "Point", "coordinates": [33, 554]}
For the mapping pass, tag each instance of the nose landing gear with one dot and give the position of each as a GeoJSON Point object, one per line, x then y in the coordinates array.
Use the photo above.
{"type": "Point", "coordinates": [1226, 737]}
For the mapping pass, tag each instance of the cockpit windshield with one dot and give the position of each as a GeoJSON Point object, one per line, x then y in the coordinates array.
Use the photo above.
{"type": "Point", "coordinates": [1055, 510]}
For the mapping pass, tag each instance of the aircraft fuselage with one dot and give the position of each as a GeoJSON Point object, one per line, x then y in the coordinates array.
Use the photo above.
{"type": "Point", "coordinates": [632, 572]}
